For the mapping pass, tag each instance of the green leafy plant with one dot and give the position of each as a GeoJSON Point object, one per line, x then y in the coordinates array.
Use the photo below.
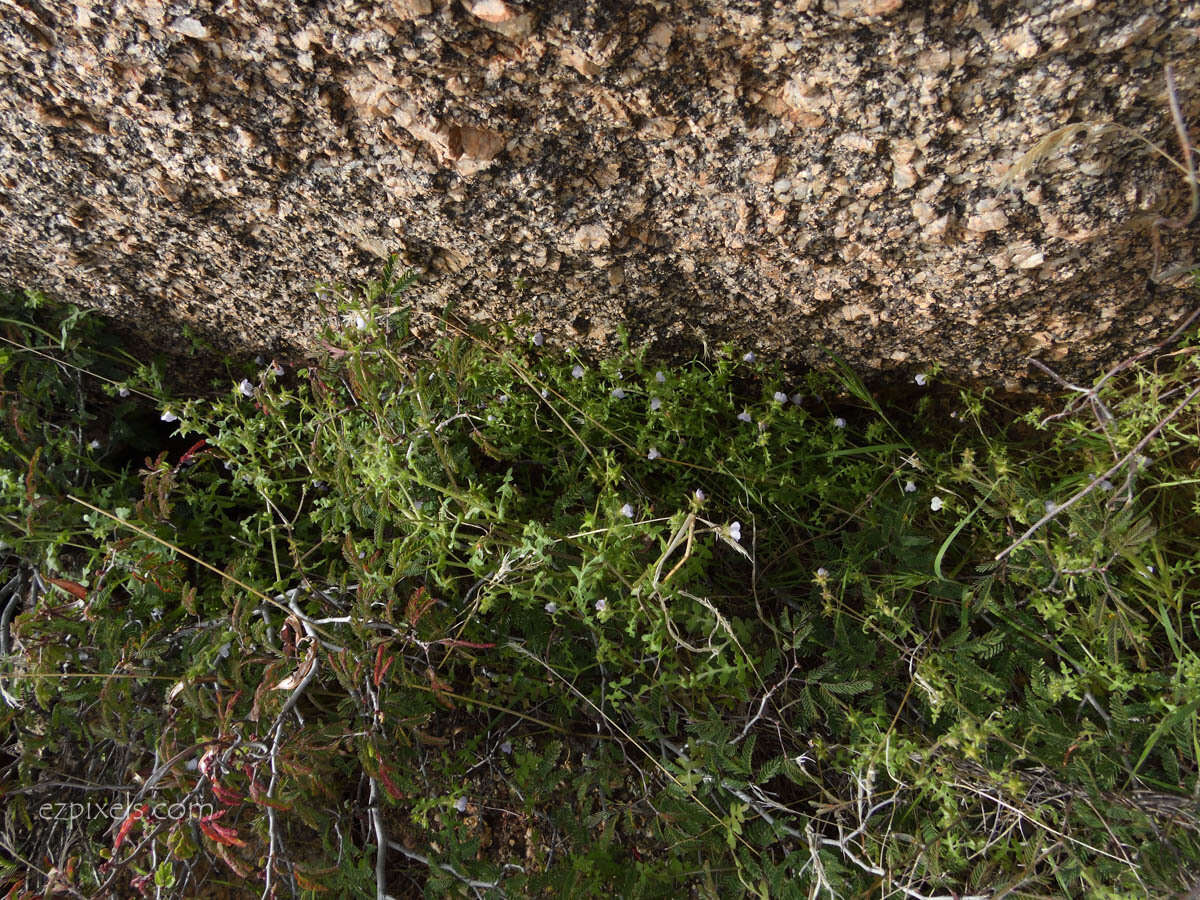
{"type": "Point", "coordinates": [472, 616]}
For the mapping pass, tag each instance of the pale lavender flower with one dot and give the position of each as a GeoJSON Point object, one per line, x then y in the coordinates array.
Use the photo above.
{"type": "Point", "coordinates": [735, 531]}
{"type": "Point", "coordinates": [539, 339]}
{"type": "Point", "coordinates": [123, 392]}
{"type": "Point", "coordinates": [1051, 506]}
{"type": "Point", "coordinates": [1106, 485]}
{"type": "Point", "coordinates": [627, 511]}
{"type": "Point", "coordinates": [797, 399]}
{"type": "Point", "coordinates": [577, 372]}
{"type": "Point", "coordinates": [660, 377]}
{"type": "Point", "coordinates": [839, 422]}
{"type": "Point", "coordinates": [246, 388]}
{"type": "Point", "coordinates": [601, 605]}
{"type": "Point", "coordinates": [822, 572]}
{"type": "Point", "coordinates": [653, 454]}
{"type": "Point", "coordinates": [749, 357]}
{"type": "Point", "coordinates": [359, 322]}
{"type": "Point", "coordinates": [936, 503]}
{"type": "Point", "coordinates": [93, 445]}
{"type": "Point", "coordinates": [169, 416]}
{"type": "Point", "coordinates": [921, 379]}
{"type": "Point", "coordinates": [700, 495]}
{"type": "Point", "coordinates": [551, 607]}
{"type": "Point", "coordinates": [461, 804]}
{"type": "Point", "coordinates": [744, 416]}
{"type": "Point", "coordinates": [910, 487]}
{"type": "Point", "coordinates": [781, 397]}
{"type": "Point", "coordinates": [655, 404]}
{"type": "Point", "coordinates": [618, 394]}
{"type": "Point", "coordinates": [277, 369]}
{"type": "Point", "coordinates": [506, 747]}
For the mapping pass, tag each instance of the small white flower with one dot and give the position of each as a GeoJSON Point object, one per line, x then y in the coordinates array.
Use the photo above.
{"type": "Point", "coordinates": [660, 377]}
{"type": "Point", "coordinates": [749, 357]}
{"type": "Point", "coordinates": [277, 368]}
{"type": "Point", "coordinates": [246, 388]}
{"type": "Point", "coordinates": [822, 572]}
{"type": "Point", "coordinates": [655, 404]}
{"type": "Point", "coordinates": [627, 511]}
{"type": "Point", "coordinates": [551, 607]}
{"type": "Point", "coordinates": [620, 377]}
{"type": "Point", "coordinates": [461, 804]}
{"type": "Point", "coordinates": [169, 416]}
{"type": "Point", "coordinates": [797, 399]}
{"type": "Point", "coordinates": [93, 445]}
{"type": "Point", "coordinates": [224, 651]}
{"type": "Point", "coordinates": [506, 747]}
{"type": "Point", "coordinates": [545, 393]}
{"type": "Point", "coordinates": [781, 397]}
{"type": "Point", "coordinates": [744, 416]}
{"type": "Point", "coordinates": [362, 554]}
{"type": "Point", "coordinates": [601, 605]}
{"type": "Point", "coordinates": [539, 339]}
{"type": "Point", "coordinates": [1051, 506]}
{"type": "Point", "coordinates": [491, 418]}
{"type": "Point", "coordinates": [503, 398]}
{"type": "Point", "coordinates": [653, 454]}
{"type": "Point", "coordinates": [735, 531]}
{"type": "Point", "coordinates": [258, 361]}
{"type": "Point", "coordinates": [910, 487]}
{"type": "Point", "coordinates": [359, 322]}
{"type": "Point", "coordinates": [1106, 485]}
{"type": "Point", "coordinates": [577, 372]}
{"type": "Point", "coordinates": [921, 379]}
{"type": "Point", "coordinates": [618, 394]}
{"type": "Point", "coordinates": [700, 495]}
{"type": "Point", "coordinates": [839, 422]}
{"type": "Point", "coordinates": [1149, 570]}
{"type": "Point", "coordinates": [936, 503]}
{"type": "Point", "coordinates": [123, 392]}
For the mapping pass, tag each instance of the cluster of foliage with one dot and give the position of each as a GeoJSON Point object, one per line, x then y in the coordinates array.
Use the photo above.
{"type": "Point", "coordinates": [473, 616]}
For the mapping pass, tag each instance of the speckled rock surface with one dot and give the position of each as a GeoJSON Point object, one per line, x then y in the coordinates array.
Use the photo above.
{"type": "Point", "coordinates": [784, 174]}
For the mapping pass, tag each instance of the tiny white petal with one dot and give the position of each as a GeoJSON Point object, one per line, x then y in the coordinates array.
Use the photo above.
{"type": "Point", "coordinates": [1051, 506]}
{"type": "Point", "coordinates": [551, 607]}
{"type": "Point", "coordinates": [655, 403]}
{"type": "Point", "coordinates": [660, 377]}
{"type": "Point", "coordinates": [539, 339]}
{"type": "Point", "coordinates": [360, 323]}
{"type": "Point", "coordinates": [123, 392]}
{"type": "Point", "coordinates": [246, 388]}
{"type": "Point", "coordinates": [1106, 485]}
{"type": "Point", "coordinates": [627, 511]}
{"type": "Point", "coordinates": [618, 394]}
{"type": "Point", "coordinates": [921, 379]}
{"type": "Point", "coordinates": [744, 416]}
{"type": "Point", "coordinates": [506, 747]}
{"type": "Point", "coordinates": [749, 357]}
{"type": "Point", "coordinates": [781, 397]}
{"type": "Point", "coordinates": [700, 495]}
{"type": "Point", "coordinates": [601, 605]}
{"type": "Point", "coordinates": [822, 572]}
{"type": "Point", "coordinates": [545, 393]}
{"type": "Point", "coordinates": [839, 422]}
{"type": "Point", "coordinates": [93, 445]}
{"type": "Point", "coordinates": [910, 486]}
{"type": "Point", "coordinates": [169, 416]}
{"type": "Point", "coordinates": [936, 503]}
{"type": "Point", "coordinates": [461, 804]}
{"type": "Point", "coordinates": [797, 399]}
{"type": "Point", "coordinates": [577, 372]}
{"type": "Point", "coordinates": [735, 531]}
{"type": "Point", "coordinates": [653, 454]}
{"type": "Point", "coordinates": [277, 369]}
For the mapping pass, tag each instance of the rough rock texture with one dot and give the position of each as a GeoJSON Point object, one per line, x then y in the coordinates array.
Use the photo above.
{"type": "Point", "coordinates": [785, 174]}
